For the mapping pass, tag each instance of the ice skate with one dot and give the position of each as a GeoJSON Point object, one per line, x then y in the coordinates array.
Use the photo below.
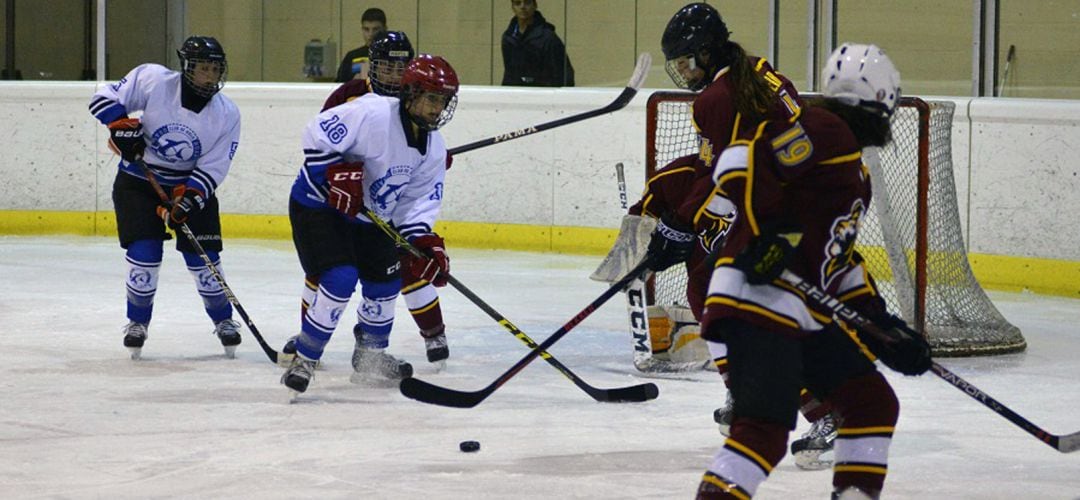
{"type": "Point", "coordinates": [288, 352]}
{"type": "Point", "coordinates": [724, 416]}
{"type": "Point", "coordinates": [372, 364]}
{"type": "Point", "coordinates": [814, 450]}
{"type": "Point", "coordinates": [437, 349]}
{"type": "Point", "coordinates": [134, 338]}
{"type": "Point", "coordinates": [228, 331]}
{"type": "Point", "coordinates": [298, 375]}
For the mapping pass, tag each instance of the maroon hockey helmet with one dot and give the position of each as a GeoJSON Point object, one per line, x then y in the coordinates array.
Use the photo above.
{"type": "Point", "coordinates": [428, 74]}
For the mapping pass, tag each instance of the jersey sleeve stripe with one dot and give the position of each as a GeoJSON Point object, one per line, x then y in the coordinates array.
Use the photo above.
{"type": "Point", "coordinates": [204, 181]}
{"type": "Point", "coordinates": [106, 110]}
{"type": "Point", "coordinates": [410, 231]}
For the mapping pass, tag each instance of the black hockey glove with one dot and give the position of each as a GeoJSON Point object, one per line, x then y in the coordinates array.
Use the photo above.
{"type": "Point", "coordinates": [767, 255]}
{"type": "Point", "coordinates": [126, 138]}
{"type": "Point", "coordinates": [186, 202]}
{"type": "Point", "coordinates": [903, 349]}
{"type": "Point", "coordinates": [671, 244]}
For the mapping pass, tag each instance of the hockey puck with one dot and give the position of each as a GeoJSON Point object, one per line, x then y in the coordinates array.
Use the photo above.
{"type": "Point", "coordinates": [469, 446]}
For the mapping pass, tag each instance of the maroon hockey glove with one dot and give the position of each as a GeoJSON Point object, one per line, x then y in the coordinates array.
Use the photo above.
{"type": "Point", "coordinates": [346, 182]}
{"type": "Point", "coordinates": [671, 244]}
{"type": "Point", "coordinates": [767, 255]}
{"type": "Point", "coordinates": [904, 349]}
{"type": "Point", "coordinates": [186, 201]}
{"type": "Point", "coordinates": [126, 138]}
{"type": "Point", "coordinates": [433, 269]}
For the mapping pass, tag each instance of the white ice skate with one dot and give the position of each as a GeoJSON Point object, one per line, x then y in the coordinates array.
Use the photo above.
{"type": "Point", "coordinates": [228, 331]}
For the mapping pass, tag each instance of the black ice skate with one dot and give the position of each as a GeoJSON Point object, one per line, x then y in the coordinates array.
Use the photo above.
{"type": "Point", "coordinates": [228, 331]}
{"type": "Point", "coordinates": [288, 352]}
{"type": "Point", "coordinates": [437, 349]}
{"type": "Point", "coordinates": [134, 338]}
{"type": "Point", "coordinates": [298, 375]}
{"type": "Point", "coordinates": [724, 416]}
{"type": "Point", "coordinates": [813, 451]}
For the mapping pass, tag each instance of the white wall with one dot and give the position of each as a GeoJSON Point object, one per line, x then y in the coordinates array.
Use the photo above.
{"type": "Point", "coordinates": [1015, 159]}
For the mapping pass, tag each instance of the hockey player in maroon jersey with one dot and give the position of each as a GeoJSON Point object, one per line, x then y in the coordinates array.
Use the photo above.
{"type": "Point", "coordinates": [800, 189]}
{"type": "Point", "coordinates": [390, 52]}
{"type": "Point", "coordinates": [738, 92]}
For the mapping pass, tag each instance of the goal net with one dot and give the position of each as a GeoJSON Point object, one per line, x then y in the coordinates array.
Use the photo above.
{"type": "Point", "coordinates": [911, 237]}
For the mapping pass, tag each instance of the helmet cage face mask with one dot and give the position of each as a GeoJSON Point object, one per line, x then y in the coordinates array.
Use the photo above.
{"type": "Point", "coordinates": [385, 76]}
{"type": "Point", "coordinates": [862, 75]}
{"type": "Point", "coordinates": [390, 53]}
{"type": "Point", "coordinates": [678, 67]}
{"type": "Point", "coordinates": [413, 93]}
{"type": "Point", "coordinates": [207, 90]}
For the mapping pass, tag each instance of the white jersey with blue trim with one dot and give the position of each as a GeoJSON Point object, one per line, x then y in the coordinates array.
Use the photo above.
{"type": "Point", "coordinates": [401, 184]}
{"type": "Point", "coordinates": [182, 146]}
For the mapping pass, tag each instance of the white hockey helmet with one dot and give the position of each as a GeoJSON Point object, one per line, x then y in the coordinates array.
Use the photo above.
{"type": "Point", "coordinates": [862, 75]}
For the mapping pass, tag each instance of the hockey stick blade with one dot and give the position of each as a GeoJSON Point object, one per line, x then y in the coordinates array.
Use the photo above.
{"type": "Point", "coordinates": [430, 393]}
{"type": "Point", "coordinates": [641, 70]}
{"type": "Point", "coordinates": [1065, 444]}
{"type": "Point", "coordinates": [617, 395]}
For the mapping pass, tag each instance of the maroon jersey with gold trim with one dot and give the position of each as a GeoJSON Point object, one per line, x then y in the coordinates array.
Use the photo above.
{"type": "Point", "coordinates": [719, 123]}
{"type": "Point", "coordinates": [808, 174]}
{"type": "Point", "coordinates": [346, 92]}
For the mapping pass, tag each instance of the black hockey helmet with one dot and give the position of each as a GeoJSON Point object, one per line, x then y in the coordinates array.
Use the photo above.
{"type": "Point", "coordinates": [390, 52]}
{"type": "Point", "coordinates": [694, 28]}
{"type": "Point", "coordinates": [205, 49]}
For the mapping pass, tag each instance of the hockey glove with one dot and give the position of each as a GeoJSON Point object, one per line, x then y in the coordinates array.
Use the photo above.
{"type": "Point", "coordinates": [671, 244]}
{"type": "Point", "coordinates": [346, 182]}
{"type": "Point", "coordinates": [767, 255]}
{"type": "Point", "coordinates": [186, 201]}
{"type": "Point", "coordinates": [126, 138]}
{"type": "Point", "coordinates": [436, 266]}
{"type": "Point", "coordinates": [903, 349]}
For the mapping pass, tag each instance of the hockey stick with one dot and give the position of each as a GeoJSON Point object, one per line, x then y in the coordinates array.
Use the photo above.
{"type": "Point", "coordinates": [270, 352]}
{"type": "Point", "coordinates": [641, 70]}
{"type": "Point", "coordinates": [636, 393]}
{"type": "Point", "coordinates": [1063, 443]}
{"type": "Point", "coordinates": [620, 176]}
{"type": "Point", "coordinates": [1005, 75]}
{"type": "Point", "coordinates": [425, 392]}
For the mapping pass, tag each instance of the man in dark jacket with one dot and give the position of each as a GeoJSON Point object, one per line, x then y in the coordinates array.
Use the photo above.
{"type": "Point", "coordinates": [533, 55]}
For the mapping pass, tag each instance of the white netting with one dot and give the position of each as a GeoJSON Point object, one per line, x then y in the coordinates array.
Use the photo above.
{"type": "Point", "coordinates": [932, 286]}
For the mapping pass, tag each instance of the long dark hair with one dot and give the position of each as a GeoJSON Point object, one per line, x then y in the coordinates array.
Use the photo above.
{"type": "Point", "coordinates": [870, 128]}
{"type": "Point", "coordinates": [753, 96]}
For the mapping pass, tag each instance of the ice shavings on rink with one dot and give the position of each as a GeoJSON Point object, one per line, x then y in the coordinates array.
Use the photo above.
{"type": "Point", "coordinates": [80, 419]}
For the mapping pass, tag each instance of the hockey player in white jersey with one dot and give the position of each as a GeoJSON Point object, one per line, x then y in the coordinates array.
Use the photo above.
{"type": "Point", "coordinates": [385, 154]}
{"type": "Point", "coordinates": [390, 53]}
{"type": "Point", "coordinates": [187, 135]}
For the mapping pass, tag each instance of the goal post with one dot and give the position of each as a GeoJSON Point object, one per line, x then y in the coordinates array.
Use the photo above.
{"type": "Point", "coordinates": [911, 238]}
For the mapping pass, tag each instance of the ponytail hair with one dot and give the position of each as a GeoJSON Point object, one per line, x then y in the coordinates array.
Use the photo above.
{"type": "Point", "coordinates": [753, 96]}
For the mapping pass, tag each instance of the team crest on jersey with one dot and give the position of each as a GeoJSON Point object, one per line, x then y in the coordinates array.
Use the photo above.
{"type": "Point", "coordinates": [386, 190]}
{"type": "Point", "coordinates": [176, 142]}
{"type": "Point", "coordinates": [841, 246]}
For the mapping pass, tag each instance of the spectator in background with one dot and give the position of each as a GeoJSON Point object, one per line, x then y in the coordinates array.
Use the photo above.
{"type": "Point", "coordinates": [354, 64]}
{"type": "Point", "coordinates": [533, 55]}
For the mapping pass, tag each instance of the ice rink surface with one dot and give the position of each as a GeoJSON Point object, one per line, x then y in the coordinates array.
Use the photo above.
{"type": "Point", "coordinates": [80, 419]}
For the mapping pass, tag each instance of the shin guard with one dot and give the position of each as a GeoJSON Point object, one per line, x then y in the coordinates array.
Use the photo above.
{"type": "Point", "coordinates": [869, 410]}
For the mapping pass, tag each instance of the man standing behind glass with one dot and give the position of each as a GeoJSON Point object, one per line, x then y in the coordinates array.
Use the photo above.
{"type": "Point", "coordinates": [533, 55]}
{"type": "Point", "coordinates": [355, 62]}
